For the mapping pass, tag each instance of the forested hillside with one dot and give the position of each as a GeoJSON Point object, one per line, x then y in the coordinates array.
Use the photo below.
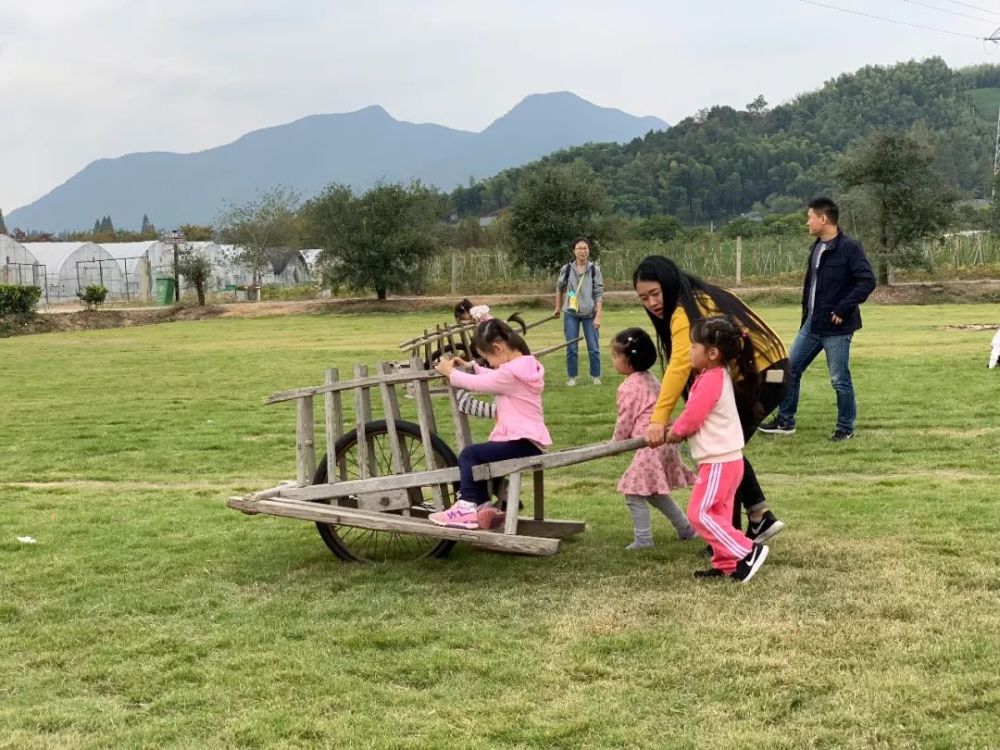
{"type": "Point", "coordinates": [721, 161]}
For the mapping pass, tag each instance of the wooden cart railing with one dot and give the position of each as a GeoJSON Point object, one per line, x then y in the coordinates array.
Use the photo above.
{"type": "Point", "coordinates": [386, 476]}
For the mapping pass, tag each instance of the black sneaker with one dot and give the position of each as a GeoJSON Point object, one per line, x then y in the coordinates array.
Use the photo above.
{"type": "Point", "coordinates": [840, 436]}
{"type": "Point", "coordinates": [710, 573]}
{"type": "Point", "coordinates": [774, 427]}
{"type": "Point", "coordinates": [747, 567]}
{"type": "Point", "coordinates": [765, 528]}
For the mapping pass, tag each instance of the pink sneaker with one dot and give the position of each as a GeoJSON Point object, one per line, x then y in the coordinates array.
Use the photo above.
{"type": "Point", "coordinates": [462, 515]}
{"type": "Point", "coordinates": [489, 516]}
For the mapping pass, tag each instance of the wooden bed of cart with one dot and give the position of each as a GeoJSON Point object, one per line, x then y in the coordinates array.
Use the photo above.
{"type": "Point", "coordinates": [371, 493]}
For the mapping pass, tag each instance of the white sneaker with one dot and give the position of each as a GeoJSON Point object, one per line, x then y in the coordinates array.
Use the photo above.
{"type": "Point", "coordinates": [571, 382]}
{"type": "Point", "coordinates": [597, 381]}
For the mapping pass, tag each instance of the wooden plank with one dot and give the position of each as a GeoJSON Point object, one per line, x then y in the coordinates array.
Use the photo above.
{"type": "Point", "coordinates": [375, 484]}
{"type": "Point", "coordinates": [271, 492]}
{"type": "Point", "coordinates": [428, 349]}
{"type": "Point", "coordinates": [537, 323]}
{"type": "Point", "coordinates": [385, 501]}
{"type": "Point", "coordinates": [361, 419]}
{"type": "Point", "coordinates": [556, 347]}
{"type": "Point", "coordinates": [425, 418]}
{"type": "Point", "coordinates": [334, 413]}
{"type": "Point", "coordinates": [466, 341]}
{"type": "Point", "coordinates": [390, 405]}
{"type": "Point", "coordinates": [552, 529]}
{"type": "Point", "coordinates": [463, 435]}
{"type": "Point", "coordinates": [538, 480]}
{"type": "Point", "coordinates": [305, 442]}
{"type": "Point", "coordinates": [525, 545]}
{"type": "Point", "coordinates": [348, 385]}
{"type": "Point", "coordinates": [557, 459]}
{"type": "Point", "coordinates": [513, 503]}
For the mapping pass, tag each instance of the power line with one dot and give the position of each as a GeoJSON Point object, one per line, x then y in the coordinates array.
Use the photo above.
{"type": "Point", "coordinates": [974, 7]}
{"type": "Point", "coordinates": [952, 12]}
{"type": "Point", "coordinates": [897, 21]}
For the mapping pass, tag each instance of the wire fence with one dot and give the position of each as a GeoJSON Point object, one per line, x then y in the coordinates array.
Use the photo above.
{"type": "Point", "coordinates": [761, 261]}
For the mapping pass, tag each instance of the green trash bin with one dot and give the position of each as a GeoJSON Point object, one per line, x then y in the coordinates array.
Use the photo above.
{"type": "Point", "coordinates": [164, 290]}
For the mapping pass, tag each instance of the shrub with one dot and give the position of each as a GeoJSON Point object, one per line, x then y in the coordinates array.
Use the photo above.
{"type": "Point", "coordinates": [18, 300]}
{"type": "Point", "coordinates": [93, 296]}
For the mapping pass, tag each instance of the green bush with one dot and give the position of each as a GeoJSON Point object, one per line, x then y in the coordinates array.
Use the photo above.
{"type": "Point", "coordinates": [93, 296]}
{"type": "Point", "coordinates": [18, 300]}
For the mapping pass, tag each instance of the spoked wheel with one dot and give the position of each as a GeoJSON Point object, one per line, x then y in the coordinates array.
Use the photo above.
{"type": "Point", "coordinates": [369, 545]}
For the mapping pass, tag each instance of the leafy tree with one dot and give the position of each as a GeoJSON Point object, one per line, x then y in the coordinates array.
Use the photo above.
{"type": "Point", "coordinates": [147, 227]}
{"type": "Point", "coordinates": [758, 106]}
{"type": "Point", "coordinates": [196, 268]}
{"type": "Point", "coordinates": [379, 241]}
{"type": "Point", "coordinates": [468, 234]}
{"type": "Point", "coordinates": [93, 296]}
{"type": "Point", "coordinates": [196, 232]}
{"type": "Point", "coordinates": [896, 197]}
{"type": "Point", "coordinates": [3, 227]}
{"type": "Point", "coordinates": [658, 227]}
{"type": "Point", "coordinates": [254, 227]}
{"type": "Point", "coordinates": [551, 208]}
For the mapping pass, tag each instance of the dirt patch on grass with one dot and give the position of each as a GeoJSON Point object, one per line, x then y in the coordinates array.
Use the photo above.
{"type": "Point", "coordinates": [970, 327]}
{"type": "Point", "coordinates": [54, 320]}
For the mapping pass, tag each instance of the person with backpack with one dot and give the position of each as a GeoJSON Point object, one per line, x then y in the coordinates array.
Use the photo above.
{"type": "Point", "coordinates": [579, 298]}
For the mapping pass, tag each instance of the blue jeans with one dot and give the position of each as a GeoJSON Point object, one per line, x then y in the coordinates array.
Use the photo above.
{"type": "Point", "coordinates": [571, 328]}
{"type": "Point", "coordinates": [805, 349]}
{"type": "Point", "coordinates": [486, 453]}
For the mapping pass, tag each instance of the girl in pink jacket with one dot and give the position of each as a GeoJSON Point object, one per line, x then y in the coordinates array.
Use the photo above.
{"type": "Point", "coordinates": [711, 424]}
{"type": "Point", "coordinates": [517, 380]}
{"type": "Point", "coordinates": [653, 471]}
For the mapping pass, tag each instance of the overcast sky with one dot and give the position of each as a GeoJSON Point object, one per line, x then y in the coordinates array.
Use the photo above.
{"type": "Point", "coordinates": [86, 79]}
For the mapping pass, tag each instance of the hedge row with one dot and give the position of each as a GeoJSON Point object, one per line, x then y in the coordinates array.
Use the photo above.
{"type": "Point", "coordinates": [18, 300]}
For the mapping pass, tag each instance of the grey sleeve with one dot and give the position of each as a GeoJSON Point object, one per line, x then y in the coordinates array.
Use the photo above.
{"type": "Point", "coordinates": [598, 283]}
{"type": "Point", "coordinates": [562, 280]}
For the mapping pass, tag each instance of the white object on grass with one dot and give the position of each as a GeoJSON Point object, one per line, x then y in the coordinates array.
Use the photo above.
{"type": "Point", "coordinates": [995, 351]}
{"type": "Point", "coordinates": [27, 540]}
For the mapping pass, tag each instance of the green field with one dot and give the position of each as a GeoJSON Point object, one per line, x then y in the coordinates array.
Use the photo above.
{"type": "Point", "coordinates": [149, 615]}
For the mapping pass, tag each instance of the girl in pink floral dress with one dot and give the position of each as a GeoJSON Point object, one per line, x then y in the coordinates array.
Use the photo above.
{"type": "Point", "coordinates": [653, 471]}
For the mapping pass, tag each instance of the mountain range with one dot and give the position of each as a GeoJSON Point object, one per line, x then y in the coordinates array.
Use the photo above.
{"type": "Point", "coordinates": [355, 148]}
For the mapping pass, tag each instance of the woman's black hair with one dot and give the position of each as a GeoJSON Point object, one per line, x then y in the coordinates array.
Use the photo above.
{"type": "Point", "coordinates": [490, 331]}
{"type": "Point", "coordinates": [462, 309]}
{"type": "Point", "coordinates": [638, 348]}
{"type": "Point", "coordinates": [682, 289]}
{"type": "Point", "coordinates": [581, 238]}
{"type": "Point", "coordinates": [736, 348]}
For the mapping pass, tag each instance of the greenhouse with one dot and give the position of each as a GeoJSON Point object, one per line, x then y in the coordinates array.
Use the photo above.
{"type": "Point", "coordinates": [18, 266]}
{"type": "Point", "coordinates": [71, 266]}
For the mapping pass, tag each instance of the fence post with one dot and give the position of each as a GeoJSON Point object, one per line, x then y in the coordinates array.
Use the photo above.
{"type": "Point", "coordinates": [739, 260]}
{"type": "Point", "coordinates": [454, 272]}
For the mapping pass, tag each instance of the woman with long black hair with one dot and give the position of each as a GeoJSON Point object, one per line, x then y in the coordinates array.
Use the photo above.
{"type": "Point", "coordinates": [673, 301]}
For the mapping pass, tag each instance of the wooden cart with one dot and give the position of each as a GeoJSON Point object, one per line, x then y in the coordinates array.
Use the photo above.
{"type": "Point", "coordinates": [371, 494]}
{"type": "Point", "coordinates": [456, 340]}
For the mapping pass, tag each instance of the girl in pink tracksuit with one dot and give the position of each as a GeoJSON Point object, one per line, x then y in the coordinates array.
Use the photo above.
{"type": "Point", "coordinates": [517, 379]}
{"type": "Point", "coordinates": [711, 424]}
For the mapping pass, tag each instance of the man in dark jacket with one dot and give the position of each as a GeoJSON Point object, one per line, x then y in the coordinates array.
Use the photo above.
{"type": "Point", "coordinates": [838, 279]}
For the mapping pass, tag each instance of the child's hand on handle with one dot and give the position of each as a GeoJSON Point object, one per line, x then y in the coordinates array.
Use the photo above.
{"type": "Point", "coordinates": [673, 437]}
{"type": "Point", "coordinates": [656, 435]}
{"type": "Point", "coordinates": [445, 366]}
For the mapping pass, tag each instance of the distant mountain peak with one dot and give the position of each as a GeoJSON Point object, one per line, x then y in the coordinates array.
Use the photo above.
{"type": "Point", "coordinates": [356, 148]}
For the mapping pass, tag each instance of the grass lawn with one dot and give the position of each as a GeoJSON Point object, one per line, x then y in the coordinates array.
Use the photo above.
{"type": "Point", "coordinates": [149, 615]}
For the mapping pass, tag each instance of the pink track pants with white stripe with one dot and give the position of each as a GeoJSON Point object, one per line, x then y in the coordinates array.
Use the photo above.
{"type": "Point", "coordinates": [710, 511]}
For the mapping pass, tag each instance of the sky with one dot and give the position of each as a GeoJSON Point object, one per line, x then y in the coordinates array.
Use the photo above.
{"type": "Point", "coordinates": [82, 80]}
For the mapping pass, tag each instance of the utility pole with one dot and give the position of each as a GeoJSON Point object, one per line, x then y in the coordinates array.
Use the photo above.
{"type": "Point", "coordinates": [175, 238]}
{"type": "Point", "coordinates": [996, 156]}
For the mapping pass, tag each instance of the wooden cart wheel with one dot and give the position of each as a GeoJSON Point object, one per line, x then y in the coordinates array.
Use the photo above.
{"type": "Point", "coordinates": [368, 545]}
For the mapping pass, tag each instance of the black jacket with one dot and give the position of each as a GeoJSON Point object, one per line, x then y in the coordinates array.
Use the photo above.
{"type": "Point", "coordinates": [845, 281]}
